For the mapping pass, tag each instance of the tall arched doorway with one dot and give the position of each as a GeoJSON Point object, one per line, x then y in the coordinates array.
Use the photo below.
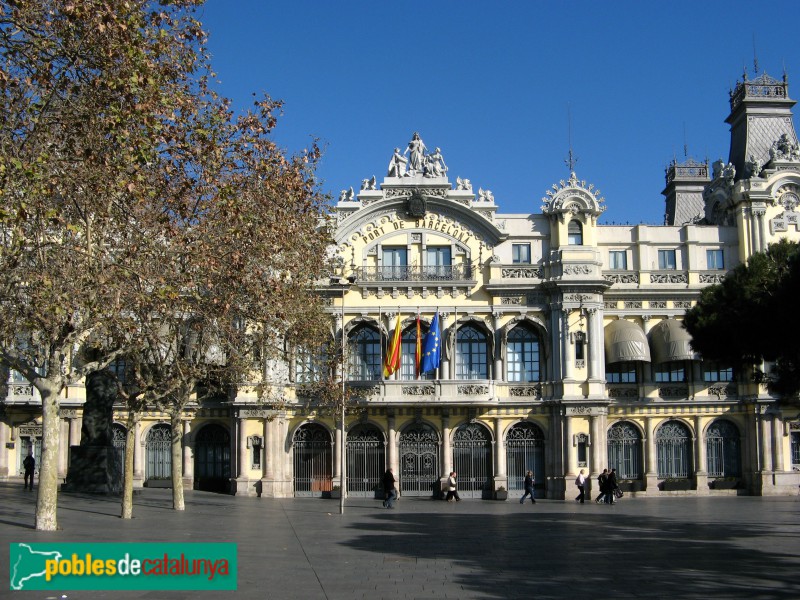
{"type": "Point", "coordinates": [723, 452]}
{"type": "Point", "coordinates": [366, 461]}
{"type": "Point", "coordinates": [212, 459]}
{"type": "Point", "coordinates": [525, 452]}
{"type": "Point", "coordinates": [472, 460]}
{"type": "Point", "coordinates": [158, 451]}
{"type": "Point", "coordinates": [673, 451]}
{"type": "Point", "coordinates": [311, 447]}
{"type": "Point", "coordinates": [419, 460]}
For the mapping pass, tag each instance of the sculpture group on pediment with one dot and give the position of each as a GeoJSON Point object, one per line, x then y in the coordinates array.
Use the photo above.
{"type": "Point", "coordinates": [463, 184]}
{"type": "Point", "coordinates": [347, 195]}
{"type": "Point", "coordinates": [485, 195]}
{"type": "Point", "coordinates": [369, 184]}
{"type": "Point", "coordinates": [418, 162]}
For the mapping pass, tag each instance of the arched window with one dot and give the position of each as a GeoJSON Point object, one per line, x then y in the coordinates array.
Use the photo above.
{"type": "Point", "coordinates": [471, 354]}
{"type": "Point", "coordinates": [575, 233]}
{"type": "Point", "coordinates": [310, 365]}
{"type": "Point", "coordinates": [365, 355]}
{"type": "Point", "coordinates": [722, 449]}
{"type": "Point", "coordinates": [625, 450]}
{"type": "Point", "coordinates": [523, 355]}
{"type": "Point", "coordinates": [673, 450]}
{"type": "Point", "coordinates": [408, 355]}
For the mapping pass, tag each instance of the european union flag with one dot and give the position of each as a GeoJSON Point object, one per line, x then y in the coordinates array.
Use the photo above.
{"type": "Point", "coordinates": [431, 350]}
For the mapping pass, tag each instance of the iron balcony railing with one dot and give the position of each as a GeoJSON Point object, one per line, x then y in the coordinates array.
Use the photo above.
{"type": "Point", "coordinates": [415, 273]}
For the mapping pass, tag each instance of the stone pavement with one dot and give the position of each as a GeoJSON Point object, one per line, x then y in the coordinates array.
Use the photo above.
{"type": "Point", "coordinates": [723, 547]}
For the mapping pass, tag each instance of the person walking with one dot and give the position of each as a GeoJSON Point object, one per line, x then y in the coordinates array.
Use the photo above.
{"type": "Point", "coordinates": [613, 486]}
{"type": "Point", "coordinates": [528, 488]}
{"type": "Point", "coordinates": [389, 488]}
{"type": "Point", "coordinates": [29, 464]}
{"type": "Point", "coordinates": [452, 488]}
{"type": "Point", "coordinates": [580, 481]}
{"type": "Point", "coordinates": [601, 480]}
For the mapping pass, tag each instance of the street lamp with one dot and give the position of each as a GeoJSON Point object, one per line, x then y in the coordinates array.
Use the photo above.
{"type": "Point", "coordinates": [344, 284]}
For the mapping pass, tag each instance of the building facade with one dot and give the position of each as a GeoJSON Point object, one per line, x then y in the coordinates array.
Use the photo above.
{"type": "Point", "coordinates": [561, 343]}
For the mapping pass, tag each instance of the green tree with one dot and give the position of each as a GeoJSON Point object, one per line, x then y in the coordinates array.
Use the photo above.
{"type": "Point", "coordinates": [746, 319]}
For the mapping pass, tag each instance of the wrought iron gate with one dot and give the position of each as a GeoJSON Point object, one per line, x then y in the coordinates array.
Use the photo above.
{"type": "Point", "coordinates": [212, 459]}
{"type": "Point", "coordinates": [366, 462]}
{"type": "Point", "coordinates": [472, 460]}
{"type": "Point", "coordinates": [625, 450]}
{"type": "Point", "coordinates": [120, 438]}
{"type": "Point", "coordinates": [312, 460]}
{"type": "Point", "coordinates": [419, 461]}
{"type": "Point", "coordinates": [158, 449]}
{"type": "Point", "coordinates": [525, 452]}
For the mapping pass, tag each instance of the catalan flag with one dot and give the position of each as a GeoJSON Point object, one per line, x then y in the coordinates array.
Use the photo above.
{"type": "Point", "coordinates": [392, 361]}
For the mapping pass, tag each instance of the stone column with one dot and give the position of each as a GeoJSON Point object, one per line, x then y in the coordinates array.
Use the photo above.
{"type": "Point", "coordinates": [567, 355]}
{"type": "Point", "coordinates": [63, 447]}
{"type": "Point", "coordinates": [777, 443]}
{"type": "Point", "coordinates": [499, 372]}
{"type": "Point", "coordinates": [391, 446]}
{"type": "Point", "coordinates": [766, 443]}
{"type": "Point", "coordinates": [651, 475]}
{"type": "Point", "coordinates": [447, 451]}
{"type": "Point", "coordinates": [266, 467]}
{"type": "Point", "coordinates": [138, 452]}
{"type": "Point", "coordinates": [337, 455]}
{"type": "Point", "coordinates": [569, 449]}
{"type": "Point", "coordinates": [500, 476]}
{"type": "Point", "coordinates": [74, 431]}
{"type": "Point", "coordinates": [4, 435]}
{"type": "Point", "coordinates": [596, 362]}
{"type": "Point", "coordinates": [242, 464]}
{"type": "Point", "coordinates": [596, 459]}
{"type": "Point", "coordinates": [188, 456]}
{"type": "Point", "coordinates": [700, 462]}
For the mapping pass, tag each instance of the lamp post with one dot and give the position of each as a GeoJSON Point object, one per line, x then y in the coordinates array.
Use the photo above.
{"type": "Point", "coordinates": [344, 284]}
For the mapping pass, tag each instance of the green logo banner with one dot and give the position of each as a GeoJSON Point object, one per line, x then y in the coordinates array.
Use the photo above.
{"type": "Point", "coordinates": [123, 566]}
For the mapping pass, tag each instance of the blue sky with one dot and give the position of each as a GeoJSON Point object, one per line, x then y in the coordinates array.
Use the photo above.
{"type": "Point", "coordinates": [491, 83]}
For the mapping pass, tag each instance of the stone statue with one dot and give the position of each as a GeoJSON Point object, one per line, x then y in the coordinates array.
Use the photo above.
{"type": "Point", "coordinates": [347, 195]}
{"type": "Point", "coordinates": [463, 184]}
{"type": "Point", "coordinates": [368, 184]}
{"type": "Point", "coordinates": [434, 164]}
{"type": "Point", "coordinates": [416, 155]}
{"type": "Point", "coordinates": [98, 411]}
{"type": "Point", "coordinates": [397, 165]}
{"type": "Point", "coordinates": [485, 195]}
{"type": "Point", "coordinates": [754, 166]}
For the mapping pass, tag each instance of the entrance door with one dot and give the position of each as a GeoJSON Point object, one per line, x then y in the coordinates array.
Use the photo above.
{"type": "Point", "coordinates": [525, 452]}
{"type": "Point", "coordinates": [212, 459]}
{"type": "Point", "coordinates": [419, 461]}
{"type": "Point", "coordinates": [158, 449]}
{"type": "Point", "coordinates": [395, 263]}
{"type": "Point", "coordinates": [312, 461]}
{"type": "Point", "coordinates": [472, 460]}
{"type": "Point", "coordinates": [366, 462]}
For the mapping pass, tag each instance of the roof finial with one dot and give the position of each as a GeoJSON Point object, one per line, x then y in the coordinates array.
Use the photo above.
{"type": "Point", "coordinates": [571, 158]}
{"type": "Point", "coordinates": [685, 146]}
{"type": "Point", "coordinates": [755, 56]}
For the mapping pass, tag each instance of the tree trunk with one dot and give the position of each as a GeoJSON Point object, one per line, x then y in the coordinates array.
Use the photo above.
{"type": "Point", "coordinates": [47, 497]}
{"type": "Point", "coordinates": [177, 460]}
{"type": "Point", "coordinates": [127, 480]}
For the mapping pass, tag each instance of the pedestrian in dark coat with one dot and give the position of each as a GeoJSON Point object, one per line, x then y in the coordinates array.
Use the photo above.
{"type": "Point", "coordinates": [528, 488]}
{"type": "Point", "coordinates": [29, 464]}
{"type": "Point", "coordinates": [389, 489]}
{"type": "Point", "coordinates": [601, 480]}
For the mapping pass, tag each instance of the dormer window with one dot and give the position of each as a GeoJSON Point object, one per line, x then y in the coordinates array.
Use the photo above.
{"type": "Point", "coordinates": [575, 233]}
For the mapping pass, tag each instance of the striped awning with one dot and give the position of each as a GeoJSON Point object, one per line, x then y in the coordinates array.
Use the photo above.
{"type": "Point", "coordinates": [625, 341]}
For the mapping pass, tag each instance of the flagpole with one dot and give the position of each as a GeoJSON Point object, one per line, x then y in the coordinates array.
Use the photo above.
{"type": "Point", "coordinates": [380, 337]}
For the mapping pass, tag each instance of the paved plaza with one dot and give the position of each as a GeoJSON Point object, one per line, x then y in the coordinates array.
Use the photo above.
{"type": "Point", "coordinates": [724, 547]}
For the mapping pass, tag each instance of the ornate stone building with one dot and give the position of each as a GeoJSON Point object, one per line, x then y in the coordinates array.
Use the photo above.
{"type": "Point", "coordinates": [561, 342]}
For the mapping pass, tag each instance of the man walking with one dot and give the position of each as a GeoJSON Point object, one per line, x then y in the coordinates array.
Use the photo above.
{"type": "Point", "coordinates": [389, 488]}
{"type": "Point", "coordinates": [29, 464]}
{"type": "Point", "coordinates": [528, 488]}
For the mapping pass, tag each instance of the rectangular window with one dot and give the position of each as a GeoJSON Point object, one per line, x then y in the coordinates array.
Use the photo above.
{"type": "Point", "coordinates": [714, 260]}
{"type": "Point", "coordinates": [438, 262]}
{"type": "Point", "coordinates": [713, 373]}
{"type": "Point", "coordinates": [666, 260]}
{"type": "Point", "coordinates": [672, 372]}
{"type": "Point", "coordinates": [621, 372]}
{"type": "Point", "coordinates": [521, 254]}
{"type": "Point", "coordinates": [395, 263]}
{"type": "Point", "coordinates": [618, 260]}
